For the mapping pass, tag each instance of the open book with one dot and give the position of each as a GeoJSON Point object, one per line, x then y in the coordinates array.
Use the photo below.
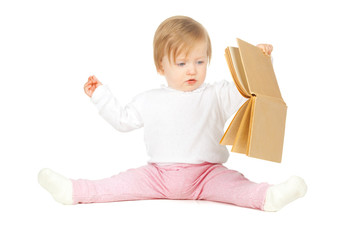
{"type": "Point", "coordinates": [258, 127]}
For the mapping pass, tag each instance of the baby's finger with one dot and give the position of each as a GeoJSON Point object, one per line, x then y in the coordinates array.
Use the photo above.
{"type": "Point", "coordinates": [263, 48]}
{"type": "Point", "coordinates": [91, 79]}
{"type": "Point", "coordinates": [267, 51]}
{"type": "Point", "coordinates": [87, 84]}
{"type": "Point", "coordinates": [87, 92]}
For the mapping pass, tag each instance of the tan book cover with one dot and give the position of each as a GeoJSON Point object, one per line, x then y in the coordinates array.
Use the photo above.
{"type": "Point", "coordinates": [258, 127]}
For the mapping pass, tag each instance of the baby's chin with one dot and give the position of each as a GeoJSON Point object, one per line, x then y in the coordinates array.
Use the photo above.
{"type": "Point", "coordinates": [191, 85]}
{"type": "Point", "coordinates": [190, 88]}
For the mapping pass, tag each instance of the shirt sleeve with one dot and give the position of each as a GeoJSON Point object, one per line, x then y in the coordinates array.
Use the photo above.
{"type": "Point", "coordinates": [122, 118]}
{"type": "Point", "coordinates": [230, 98]}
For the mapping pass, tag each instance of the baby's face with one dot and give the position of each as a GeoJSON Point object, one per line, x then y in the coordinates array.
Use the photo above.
{"type": "Point", "coordinates": [187, 73]}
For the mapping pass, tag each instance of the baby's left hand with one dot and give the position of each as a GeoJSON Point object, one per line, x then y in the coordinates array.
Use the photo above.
{"type": "Point", "coordinates": [266, 48]}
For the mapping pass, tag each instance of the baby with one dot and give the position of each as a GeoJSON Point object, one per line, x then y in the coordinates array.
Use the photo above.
{"type": "Point", "coordinates": [183, 124]}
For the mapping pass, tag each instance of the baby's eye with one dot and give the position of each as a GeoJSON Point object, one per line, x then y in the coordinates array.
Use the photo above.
{"type": "Point", "coordinates": [200, 62]}
{"type": "Point", "coordinates": [180, 64]}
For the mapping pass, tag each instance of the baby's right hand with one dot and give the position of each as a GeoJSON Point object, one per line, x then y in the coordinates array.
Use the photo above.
{"type": "Point", "coordinates": [266, 48]}
{"type": "Point", "coordinates": [91, 85]}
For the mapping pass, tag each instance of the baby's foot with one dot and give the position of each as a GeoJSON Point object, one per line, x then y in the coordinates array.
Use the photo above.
{"type": "Point", "coordinates": [58, 186]}
{"type": "Point", "coordinates": [280, 195]}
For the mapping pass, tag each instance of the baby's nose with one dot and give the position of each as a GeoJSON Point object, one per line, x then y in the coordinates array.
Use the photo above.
{"type": "Point", "coordinates": [191, 69]}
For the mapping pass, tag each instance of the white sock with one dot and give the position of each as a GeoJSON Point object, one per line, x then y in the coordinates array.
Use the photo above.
{"type": "Point", "coordinates": [58, 186]}
{"type": "Point", "coordinates": [282, 194]}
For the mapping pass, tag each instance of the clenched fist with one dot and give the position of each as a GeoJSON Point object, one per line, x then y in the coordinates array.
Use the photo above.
{"type": "Point", "coordinates": [91, 85]}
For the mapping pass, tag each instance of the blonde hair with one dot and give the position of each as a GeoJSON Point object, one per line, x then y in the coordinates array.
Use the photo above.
{"type": "Point", "coordinates": [178, 35]}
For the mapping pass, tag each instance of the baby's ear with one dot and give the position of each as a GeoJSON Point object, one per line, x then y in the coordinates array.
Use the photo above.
{"type": "Point", "coordinates": [160, 70]}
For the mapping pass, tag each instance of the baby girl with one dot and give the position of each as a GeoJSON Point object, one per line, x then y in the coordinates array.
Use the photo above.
{"type": "Point", "coordinates": [183, 124]}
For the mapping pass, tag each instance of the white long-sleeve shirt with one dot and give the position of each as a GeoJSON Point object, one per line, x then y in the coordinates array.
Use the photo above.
{"type": "Point", "coordinates": [179, 127]}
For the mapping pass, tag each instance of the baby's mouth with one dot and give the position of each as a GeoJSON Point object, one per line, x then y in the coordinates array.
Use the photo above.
{"type": "Point", "coordinates": [191, 81]}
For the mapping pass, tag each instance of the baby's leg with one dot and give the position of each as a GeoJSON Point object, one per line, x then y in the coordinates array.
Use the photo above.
{"type": "Point", "coordinates": [134, 184]}
{"type": "Point", "coordinates": [229, 186]}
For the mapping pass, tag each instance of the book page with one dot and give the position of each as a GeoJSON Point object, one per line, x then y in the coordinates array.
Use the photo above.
{"type": "Point", "coordinates": [243, 134]}
{"type": "Point", "coordinates": [233, 59]}
{"type": "Point", "coordinates": [267, 129]}
{"type": "Point", "coordinates": [258, 70]}
{"type": "Point", "coordinates": [231, 133]}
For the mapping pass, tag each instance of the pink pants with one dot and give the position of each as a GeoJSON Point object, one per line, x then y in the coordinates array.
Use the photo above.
{"type": "Point", "coordinates": [207, 181]}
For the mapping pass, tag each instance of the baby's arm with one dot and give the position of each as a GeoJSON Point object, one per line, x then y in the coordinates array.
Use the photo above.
{"type": "Point", "coordinates": [91, 85]}
{"type": "Point", "coordinates": [122, 118]}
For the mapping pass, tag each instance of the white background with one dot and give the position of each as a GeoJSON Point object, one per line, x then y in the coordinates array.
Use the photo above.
{"type": "Point", "coordinates": [49, 48]}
